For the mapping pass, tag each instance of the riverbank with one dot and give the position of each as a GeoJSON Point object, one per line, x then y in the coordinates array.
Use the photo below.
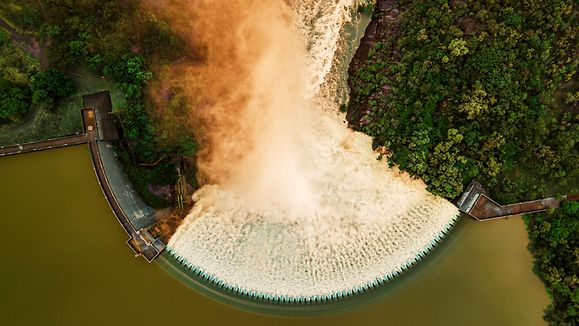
{"type": "Point", "coordinates": [42, 123]}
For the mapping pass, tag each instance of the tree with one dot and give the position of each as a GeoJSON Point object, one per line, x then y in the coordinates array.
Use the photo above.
{"type": "Point", "coordinates": [50, 86]}
{"type": "Point", "coordinates": [458, 47]}
{"type": "Point", "coordinates": [137, 71]}
{"type": "Point", "coordinates": [475, 103]}
{"type": "Point", "coordinates": [554, 243]}
{"type": "Point", "coordinates": [570, 207]}
{"type": "Point", "coordinates": [14, 101]}
{"type": "Point", "coordinates": [446, 166]}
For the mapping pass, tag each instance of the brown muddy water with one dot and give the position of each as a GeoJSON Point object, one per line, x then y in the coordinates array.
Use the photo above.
{"type": "Point", "coordinates": [64, 261]}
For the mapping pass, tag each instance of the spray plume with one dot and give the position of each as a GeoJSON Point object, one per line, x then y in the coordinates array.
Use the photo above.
{"type": "Point", "coordinates": [294, 203]}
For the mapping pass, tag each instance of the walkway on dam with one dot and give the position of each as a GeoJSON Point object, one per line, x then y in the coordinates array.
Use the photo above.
{"type": "Point", "coordinates": [43, 145]}
{"type": "Point", "coordinates": [477, 203]}
{"type": "Point", "coordinates": [101, 129]}
{"type": "Point", "coordinates": [130, 211]}
{"type": "Point", "coordinates": [139, 241]}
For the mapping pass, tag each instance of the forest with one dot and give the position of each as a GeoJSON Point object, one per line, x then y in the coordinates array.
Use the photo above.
{"type": "Point", "coordinates": [22, 83]}
{"type": "Point", "coordinates": [555, 245]}
{"type": "Point", "coordinates": [478, 89]}
{"type": "Point", "coordinates": [486, 90]}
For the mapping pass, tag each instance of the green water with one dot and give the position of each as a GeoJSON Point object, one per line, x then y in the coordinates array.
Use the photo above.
{"type": "Point", "coordinates": [64, 261]}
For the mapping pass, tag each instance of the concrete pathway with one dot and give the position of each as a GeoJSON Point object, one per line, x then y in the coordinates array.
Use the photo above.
{"type": "Point", "coordinates": [477, 203]}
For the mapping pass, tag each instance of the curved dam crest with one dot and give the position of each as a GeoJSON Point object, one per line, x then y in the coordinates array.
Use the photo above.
{"type": "Point", "coordinates": [299, 209]}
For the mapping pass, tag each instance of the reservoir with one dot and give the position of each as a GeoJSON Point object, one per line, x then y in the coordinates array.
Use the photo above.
{"type": "Point", "coordinates": [64, 261]}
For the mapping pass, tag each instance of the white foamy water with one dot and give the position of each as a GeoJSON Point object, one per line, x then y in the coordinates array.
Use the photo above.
{"type": "Point", "coordinates": [311, 213]}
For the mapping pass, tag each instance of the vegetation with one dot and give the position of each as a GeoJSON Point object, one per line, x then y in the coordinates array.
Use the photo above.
{"type": "Point", "coordinates": [458, 90]}
{"type": "Point", "coordinates": [478, 89]}
{"type": "Point", "coordinates": [32, 96]}
{"type": "Point", "coordinates": [101, 35]}
{"type": "Point", "coordinates": [20, 14]}
{"type": "Point", "coordinates": [42, 123]}
{"type": "Point", "coordinates": [366, 7]}
{"type": "Point", "coordinates": [15, 65]}
{"type": "Point", "coordinates": [142, 177]}
{"type": "Point", "coordinates": [123, 42]}
{"type": "Point", "coordinates": [555, 246]}
{"type": "Point", "coordinates": [14, 101]}
{"type": "Point", "coordinates": [15, 71]}
{"type": "Point", "coordinates": [50, 86]}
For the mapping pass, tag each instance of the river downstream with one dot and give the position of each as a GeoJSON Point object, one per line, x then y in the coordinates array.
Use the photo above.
{"type": "Point", "coordinates": [65, 262]}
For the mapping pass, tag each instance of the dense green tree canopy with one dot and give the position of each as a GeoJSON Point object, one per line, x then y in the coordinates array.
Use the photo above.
{"type": "Point", "coordinates": [14, 101]}
{"type": "Point", "coordinates": [49, 86]}
{"type": "Point", "coordinates": [478, 89]}
{"type": "Point", "coordinates": [488, 90]}
{"type": "Point", "coordinates": [555, 243]}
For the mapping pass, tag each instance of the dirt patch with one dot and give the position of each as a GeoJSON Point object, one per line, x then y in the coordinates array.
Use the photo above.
{"type": "Point", "coordinates": [470, 25]}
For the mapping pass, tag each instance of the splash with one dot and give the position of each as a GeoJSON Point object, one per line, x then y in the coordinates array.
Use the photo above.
{"type": "Point", "coordinates": [295, 205]}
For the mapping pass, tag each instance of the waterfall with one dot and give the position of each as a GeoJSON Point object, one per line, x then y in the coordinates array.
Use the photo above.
{"type": "Point", "coordinates": [296, 207]}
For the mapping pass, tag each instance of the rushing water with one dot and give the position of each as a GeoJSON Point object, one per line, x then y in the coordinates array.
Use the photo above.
{"type": "Point", "coordinates": [305, 212]}
{"type": "Point", "coordinates": [64, 261]}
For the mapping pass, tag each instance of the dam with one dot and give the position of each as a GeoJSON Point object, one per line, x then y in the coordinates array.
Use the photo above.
{"type": "Point", "coordinates": [297, 208]}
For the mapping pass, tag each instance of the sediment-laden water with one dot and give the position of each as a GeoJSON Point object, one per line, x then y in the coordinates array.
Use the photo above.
{"type": "Point", "coordinates": [65, 262]}
{"type": "Point", "coordinates": [296, 206]}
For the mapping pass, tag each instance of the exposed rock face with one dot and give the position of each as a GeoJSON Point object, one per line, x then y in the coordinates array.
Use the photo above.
{"type": "Point", "coordinates": [384, 24]}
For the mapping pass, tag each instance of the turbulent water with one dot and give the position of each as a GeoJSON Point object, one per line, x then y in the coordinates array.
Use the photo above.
{"type": "Point", "coordinates": [296, 205]}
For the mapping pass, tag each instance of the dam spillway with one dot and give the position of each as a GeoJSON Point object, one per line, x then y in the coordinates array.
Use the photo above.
{"type": "Point", "coordinates": [298, 208]}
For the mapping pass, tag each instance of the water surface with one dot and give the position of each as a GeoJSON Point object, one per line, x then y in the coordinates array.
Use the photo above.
{"type": "Point", "coordinates": [64, 261]}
